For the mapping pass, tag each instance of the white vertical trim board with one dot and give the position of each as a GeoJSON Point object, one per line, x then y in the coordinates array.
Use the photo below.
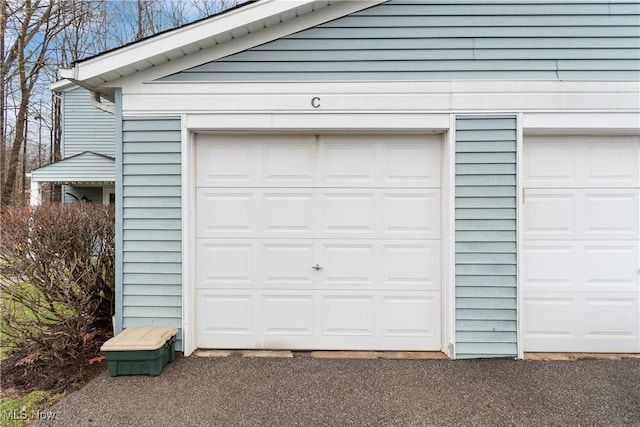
{"type": "Point", "coordinates": [119, 212]}
{"type": "Point", "coordinates": [519, 201]}
{"type": "Point", "coordinates": [188, 249]}
{"type": "Point", "coordinates": [448, 240]}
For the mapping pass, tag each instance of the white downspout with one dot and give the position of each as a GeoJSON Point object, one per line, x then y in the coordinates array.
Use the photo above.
{"type": "Point", "coordinates": [95, 101]}
{"type": "Point", "coordinates": [71, 74]}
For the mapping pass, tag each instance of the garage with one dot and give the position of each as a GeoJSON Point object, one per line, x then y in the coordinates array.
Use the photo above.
{"type": "Point", "coordinates": [318, 242]}
{"type": "Point", "coordinates": [580, 260]}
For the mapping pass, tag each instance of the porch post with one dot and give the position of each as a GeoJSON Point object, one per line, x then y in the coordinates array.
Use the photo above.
{"type": "Point", "coordinates": [35, 198]}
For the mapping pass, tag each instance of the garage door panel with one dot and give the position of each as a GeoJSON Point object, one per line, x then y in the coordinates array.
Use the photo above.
{"type": "Point", "coordinates": [345, 163]}
{"type": "Point", "coordinates": [411, 266]}
{"type": "Point", "coordinates": [255, 161]}
{"type": "Point", "coordinates": [575, 214]}
{"type": "Point", "coordinates": [413, 214]}
{"type": "Point", "coordinates": [364, 210]}
{"type": "Point", "coordinates": [581, 161]}
{"type": "Point", "coordinates": [611, 214]}
{"type": "Point", "coordinates": [289, 162]}
{"type": "Point", "coordinates": [226, 314]}
{"type": "Point", "coordinates": [611, 164]}
{"type": "Point", "coordinates": [549, 265]}
{"type": "Point", "coordinates": [293, 213]}
{"type": "Point", "coordinates": [287, 315]}
{"type": "Point", "coordinates": [411, 317]}
{"type": "Point", "coordinates": [411, 163]}
{"type": "Point", "coordinates": [345, 264]}
{"type": "Point", "coordinates": [591, 322]}
{"type": "Point", "coordinates": [287, 264]}
{"type": "Point", "coordinates": [614, 266]}
{"type": "Point", "coordinates": [225, 212]}
{"type": "Point", "coordinates": [594, 266]}
{"type": "Point", "coordinates": [288, 213]}
{"type": "Point", "coordinates": [347, 315]}
{"type": "Point", "coordinates": [392, 214]}
{"type": "Point", "coordinates": [348, 213]}
{"type": "Point", "coordinates": [550, 214]}
{"type": "Point", "coordinates": [277, 319]}
{"type": "Point", "coordinates": [226, 264]}
{"type": "Point", "coordinates": [549, 165]}
{"type": "Point", "coordinates": [227, 163]}
{"type": "Point", "coordinates": [380, 161]}
{"type": "Point", "coordinates": [348, 265]}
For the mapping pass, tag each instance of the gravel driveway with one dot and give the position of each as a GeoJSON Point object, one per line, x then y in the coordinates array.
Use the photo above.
{"type": "Point", "coordinates": [198, 391]}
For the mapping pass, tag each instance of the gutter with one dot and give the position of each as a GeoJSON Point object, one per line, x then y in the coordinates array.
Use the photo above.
{"type": "Point", "coordinates": [94, 95]}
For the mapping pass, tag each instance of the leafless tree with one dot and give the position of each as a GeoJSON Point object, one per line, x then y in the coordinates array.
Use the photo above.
{"type": "Point", "coordinates": [39, 36]}
{"type": "Point", "coordinates": [28, 30]}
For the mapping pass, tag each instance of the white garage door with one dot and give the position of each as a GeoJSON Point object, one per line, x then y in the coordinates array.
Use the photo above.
{"type": "Point", "coordinates": [329, 242]}
{"type": "Point", "coordinates": [581, 260]}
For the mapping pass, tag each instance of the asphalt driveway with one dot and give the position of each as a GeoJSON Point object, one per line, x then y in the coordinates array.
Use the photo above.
{"type": "Point", "coordinates": [198, 391]}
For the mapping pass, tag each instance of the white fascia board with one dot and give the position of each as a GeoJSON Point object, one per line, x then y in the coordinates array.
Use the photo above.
{"type": "Point", "coordinates": [185, 39]}
{"type": "Point", "coordinates": [62, 85]}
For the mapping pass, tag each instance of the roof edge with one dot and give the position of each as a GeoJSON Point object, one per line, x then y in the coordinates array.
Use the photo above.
{"type": "Point", "coordinates": [146, 53]}
{"type": "Point", "coordinates": [104, 156]}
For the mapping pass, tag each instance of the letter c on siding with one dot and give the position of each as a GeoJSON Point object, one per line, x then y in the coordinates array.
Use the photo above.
{"type": "Point", "coordinates": [315, 102]}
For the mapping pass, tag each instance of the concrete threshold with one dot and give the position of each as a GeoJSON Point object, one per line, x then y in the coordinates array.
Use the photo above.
{"type": "Point", "coordinates": [394, 355]}
{"type": "Point", "coordinates": [578, 356]}
{"type": "Point", "coordinates": [243, 353]}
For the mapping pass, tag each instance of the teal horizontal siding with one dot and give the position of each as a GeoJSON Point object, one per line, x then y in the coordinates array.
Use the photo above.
{"type": "Point", "coordinates": [164, 257]}
{"type": "Point", "coordinates": [483, 281]}
{"type": "Point", "coordinates": [475, 247]}
{"type": "Point", "coordinates": [151, 222]}
{"type": "Point", "coordinates": [481, 326]}
{"type": "Point", "coordinates": [489, 191]}
{"type": "Point", "coordinates": [486, 292]}
{"type": "Point", "coordinates": [157, 213]}
{"type": "Point", "coordinates": [424, 40]}
{"type": "Point", "coordinates": [156, 279]}
{"type": "Point", "coordinates": [485, 260]}
{"type": "Point", "coordinates": [489, 349]}
{"type": "Point", "coordinates": [142, 191]}
{"type": "Point", "coordinates": [147, 223]}
{"type": "Point", "coordinates": [153, 290]}
{"type": "Point", "coordinates": [84, 127]}
{"type": "Point", "coordinates": [161, 246]}
{"type": "Point", "coordinates": [488, 337]}
{"type": "Point", "coordinates": [484, 256]}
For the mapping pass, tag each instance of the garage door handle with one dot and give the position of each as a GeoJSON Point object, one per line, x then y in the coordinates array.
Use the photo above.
{"type": "Point", "coordinates": [317, 267]}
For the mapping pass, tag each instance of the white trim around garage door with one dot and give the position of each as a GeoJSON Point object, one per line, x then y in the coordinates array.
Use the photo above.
{"type": "Point", "coordinates": [289, 123]}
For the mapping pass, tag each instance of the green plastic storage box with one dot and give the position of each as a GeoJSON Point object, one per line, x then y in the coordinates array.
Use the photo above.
{"type": "Point", "coordinates": [140, 351]}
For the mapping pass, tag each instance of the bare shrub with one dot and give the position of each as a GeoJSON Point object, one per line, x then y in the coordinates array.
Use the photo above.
{"type": "Point", "coordinates": [57, 281]}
